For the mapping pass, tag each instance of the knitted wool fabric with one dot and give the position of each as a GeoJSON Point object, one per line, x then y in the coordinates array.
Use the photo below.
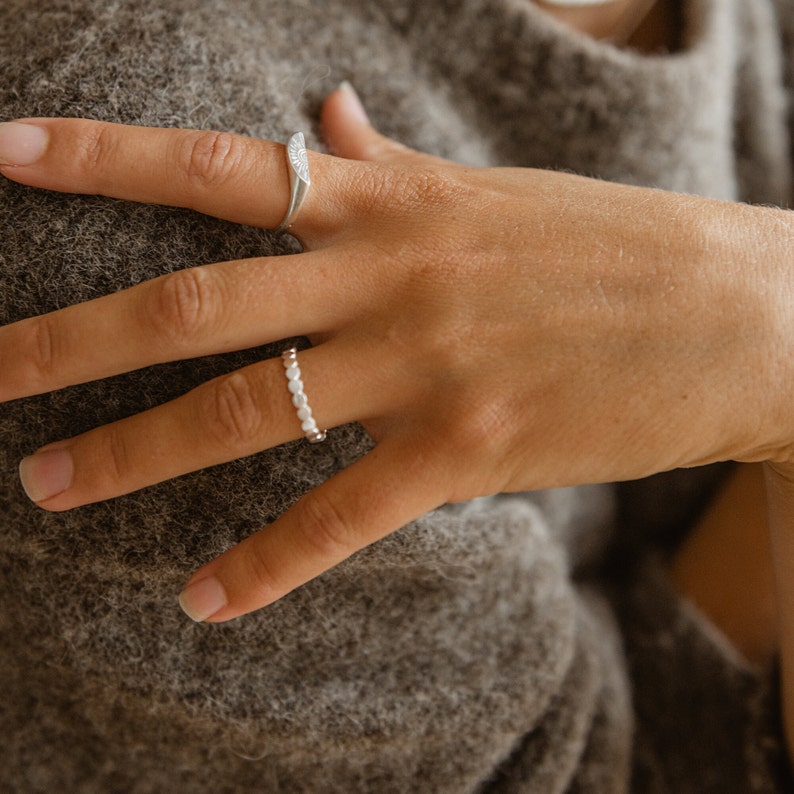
{"type": "Point", "coordinates": [473, 650]}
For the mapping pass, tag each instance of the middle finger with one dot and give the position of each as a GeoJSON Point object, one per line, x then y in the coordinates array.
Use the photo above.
{"type": "Point", "coordinates": [195, 312]}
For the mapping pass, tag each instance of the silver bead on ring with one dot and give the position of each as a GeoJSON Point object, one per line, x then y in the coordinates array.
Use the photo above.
{"type": "Point", "coordinates": [295, 385]}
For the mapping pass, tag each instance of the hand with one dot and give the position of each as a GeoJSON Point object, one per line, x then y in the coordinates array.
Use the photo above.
{"type": "Point", "coordinates": [494, 330]}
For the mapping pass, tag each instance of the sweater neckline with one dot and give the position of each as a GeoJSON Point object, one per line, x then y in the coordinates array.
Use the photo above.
{"type": "Point", "coordinates": [703, 23]}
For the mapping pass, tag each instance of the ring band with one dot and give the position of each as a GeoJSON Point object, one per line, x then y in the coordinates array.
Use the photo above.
{"type": "Point", "coordinates": [299, 399]}
{"type": "Point", "coordinates": [299, 181]}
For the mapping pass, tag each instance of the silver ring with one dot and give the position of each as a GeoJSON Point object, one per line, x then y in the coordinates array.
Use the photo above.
{"type": "Point", "coordinates": [299, 399]}
{"type": "Point", "coordinates": [299, 181]}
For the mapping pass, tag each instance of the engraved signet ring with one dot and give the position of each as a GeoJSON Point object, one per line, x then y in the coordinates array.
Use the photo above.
{"type": "Point", "coordinates": [298, 164]}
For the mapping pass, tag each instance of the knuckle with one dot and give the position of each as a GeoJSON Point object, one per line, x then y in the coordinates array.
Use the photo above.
{"type": "Point", "coordinates": [43, 358]}
{"type": "Point", "coordinates": [95, 147]}
{"type": "Point", "coordinates": [209, 159]}
{"type": "Point", "coordinates": [422, 187]}
{"type": "Point", "coordinates": [260, 572]}
{"type": "Point", "coordinates": [374, 189]}
{"type": "Point", "coordinates": [414, 191]}
{"type": "Point", "coordinates": [184, 308]}
{"type": "Point", "coordinates": [114, 455]}
{"type": "Point", "coordinates": [487, 429]}
{"type": "Point", "coordinates": [415, 188]}
{"type": "Point", "coordinates": [325, 527]}
{"type": "Point", "coordinates": [231, 413]}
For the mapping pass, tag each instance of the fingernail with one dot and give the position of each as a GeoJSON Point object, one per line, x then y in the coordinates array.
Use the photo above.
{"type": "Point", "coordinates": [202, 599]}
{"type": "Point", "coordinates": [46, 474]}
{"type": "Point", "coordinates": [21, 144]}
{"type": "Point", "coordinates": [353, 101]}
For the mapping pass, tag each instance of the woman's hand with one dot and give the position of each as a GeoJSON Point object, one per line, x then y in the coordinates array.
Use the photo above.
{"type": "Point", "coordinates": [494, 330]}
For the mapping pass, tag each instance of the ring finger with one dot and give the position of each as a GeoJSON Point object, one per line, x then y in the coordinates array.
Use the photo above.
{"type": "Point", "coordinates": [229, 417]}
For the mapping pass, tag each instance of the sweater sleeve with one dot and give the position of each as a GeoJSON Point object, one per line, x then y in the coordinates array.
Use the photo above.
{"type": "Point", "coordinates": [785, 22]}
{"type": "Point", "coordinates": [762, 102]}
{"type": "Point", "coordinates": [706, 719]}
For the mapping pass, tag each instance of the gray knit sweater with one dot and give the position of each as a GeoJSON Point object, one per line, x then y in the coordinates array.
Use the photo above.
{"type": "Point", "coordinates": [485, 647]}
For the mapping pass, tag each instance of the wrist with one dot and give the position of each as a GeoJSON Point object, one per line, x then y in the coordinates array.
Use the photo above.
{"type": "Point", "coordinates": [768, 247]}
{"type": "Point", "coordinates": [749, 252]}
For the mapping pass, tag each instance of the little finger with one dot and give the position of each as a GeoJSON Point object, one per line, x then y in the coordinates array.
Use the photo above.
{"type": "Point", "coordinates": [378, 494]}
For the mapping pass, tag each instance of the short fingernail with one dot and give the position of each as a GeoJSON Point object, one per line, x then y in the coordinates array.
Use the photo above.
{"type": "Point", "coordinates": [202, 599]}
{"type": "Point", "coordinates": [21, 144]}
{"type": "Point", "coordinates": [46, 474]}
{"type": "Point", "coordinates": [353, 101]}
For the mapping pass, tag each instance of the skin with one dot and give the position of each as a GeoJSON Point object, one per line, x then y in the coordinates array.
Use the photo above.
{"type": "Point", "coordinates": [780, 500]}
{"type": "Point", "coordinates": [598, 21]}
{"type": "Point", "coordinates": [624, 22]}
{"type": "Point", "coordinates": [725, 567]}
{"type": "Point", "coordinates": [514, 329]}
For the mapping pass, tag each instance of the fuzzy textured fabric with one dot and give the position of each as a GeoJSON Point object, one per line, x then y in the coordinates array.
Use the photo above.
{"type": "Point", "coordinates": [478, 649]}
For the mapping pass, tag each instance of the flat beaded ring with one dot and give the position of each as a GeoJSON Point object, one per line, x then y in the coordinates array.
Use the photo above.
{"type": "Point", "coordinates": [299, 400]}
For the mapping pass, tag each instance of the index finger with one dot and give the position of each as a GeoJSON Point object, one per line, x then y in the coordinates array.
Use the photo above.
{"type": "Point", "coordinates": [233, 177]}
